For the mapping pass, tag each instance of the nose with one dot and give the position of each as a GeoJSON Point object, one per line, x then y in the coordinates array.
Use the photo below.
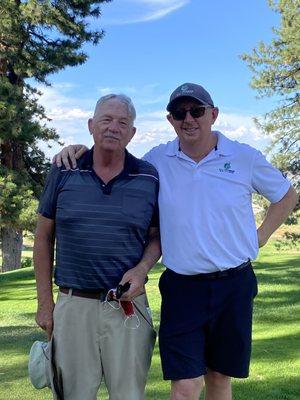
{"type": "Point", "coordinates": [114, 125]}
{"type": "Point", "coordinates": [188, 117]}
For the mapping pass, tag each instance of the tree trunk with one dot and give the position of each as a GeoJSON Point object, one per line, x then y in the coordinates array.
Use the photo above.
{"type": "Point", "coordinates": [12, 241]}
{"type": "Point", "coordinates": [11, 238]}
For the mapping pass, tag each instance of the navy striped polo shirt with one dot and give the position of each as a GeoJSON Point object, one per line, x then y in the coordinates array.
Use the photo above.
{"type": "Point", "coordinates": [100, 229]}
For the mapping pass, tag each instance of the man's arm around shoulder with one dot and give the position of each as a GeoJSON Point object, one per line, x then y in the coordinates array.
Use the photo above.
{"type": "Point", "coordinates": [43, 253]}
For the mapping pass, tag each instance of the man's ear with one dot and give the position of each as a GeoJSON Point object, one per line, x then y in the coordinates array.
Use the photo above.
{"type": "Point", "coordinates": [170, 119]}
{"type": "Point", "coordinates": [133, 132]}
{"type": "Point", "coordinates": [215, 113]}
{"type": "Point", "coordinates": [90, 125]}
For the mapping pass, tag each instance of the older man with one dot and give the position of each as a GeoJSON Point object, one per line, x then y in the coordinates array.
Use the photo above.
{"type": "Point", "coordinates": [103, 215]}
{"type": "Point", "coordinates": [208, 237]}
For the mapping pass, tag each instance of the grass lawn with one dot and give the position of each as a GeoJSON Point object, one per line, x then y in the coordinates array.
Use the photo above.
{"type": "Point", "coordinates": [276, 338]}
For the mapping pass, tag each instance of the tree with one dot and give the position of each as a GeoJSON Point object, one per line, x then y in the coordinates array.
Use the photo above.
{"type": "Point", "coordinates": [276, 69]}
{"type": "Point", "coordinates": [37, 38]}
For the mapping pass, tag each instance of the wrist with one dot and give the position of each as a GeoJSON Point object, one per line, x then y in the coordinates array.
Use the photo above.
{"type": "Point", "coordinates": [144, 267]}
{"type": "Point", "coordinates": [45, 303]}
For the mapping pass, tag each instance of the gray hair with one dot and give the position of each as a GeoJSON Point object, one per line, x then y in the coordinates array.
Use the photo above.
{"type": "Point", "coordinates": [122, 98]}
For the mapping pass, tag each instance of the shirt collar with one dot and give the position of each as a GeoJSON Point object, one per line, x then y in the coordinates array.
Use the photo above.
{"type": "Point", "coordinates": [131, 165]}
{"type": "Point", "coordinates": [224, 146]}
{"type": "Point", "coordinates": [173, 147]}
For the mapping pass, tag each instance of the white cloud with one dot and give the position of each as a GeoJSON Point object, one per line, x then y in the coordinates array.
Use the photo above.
{"type": "Point", "coordinates": [240, 127]}
{"type": "Point", "coordinates": [122, 12]}
{"type": "Point", "coordinates": [63, 114]}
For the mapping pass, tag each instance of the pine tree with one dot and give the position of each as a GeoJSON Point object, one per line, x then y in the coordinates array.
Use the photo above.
{"type": "Point", "coordinates": [276, 69]}
{"type": "Point", "coordinates": [37, 38]}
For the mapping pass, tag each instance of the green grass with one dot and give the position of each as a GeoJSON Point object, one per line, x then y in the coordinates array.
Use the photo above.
{"type": "Point", "coordinates": [276, 338]}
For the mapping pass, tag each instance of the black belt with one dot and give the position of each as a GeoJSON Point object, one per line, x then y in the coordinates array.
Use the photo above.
{"type": "Point", "coordinates": [217, 274]}
{"type": "Point", "coordinates": [100, 294]}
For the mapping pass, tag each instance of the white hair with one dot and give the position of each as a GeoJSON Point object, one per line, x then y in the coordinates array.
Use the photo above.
{"type": "Point", "coordinates": [122, 98]}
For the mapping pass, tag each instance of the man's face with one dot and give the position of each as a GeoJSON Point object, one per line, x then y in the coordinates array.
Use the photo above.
{"type": "Point", "coordinates": [112, 127]}
{"type": "Point", "coordinates": [192, 130]}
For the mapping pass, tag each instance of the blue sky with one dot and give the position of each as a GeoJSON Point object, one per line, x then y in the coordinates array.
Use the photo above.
{"type": "Point", "coordinates": [152, 46]}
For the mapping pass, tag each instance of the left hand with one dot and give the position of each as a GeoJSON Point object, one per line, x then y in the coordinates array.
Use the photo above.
{"type": "Point", "coordinates": [136, 277]}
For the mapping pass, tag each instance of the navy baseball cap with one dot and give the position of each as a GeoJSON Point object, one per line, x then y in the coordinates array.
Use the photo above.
{"type": "Point", "coordinates": [192, 90]}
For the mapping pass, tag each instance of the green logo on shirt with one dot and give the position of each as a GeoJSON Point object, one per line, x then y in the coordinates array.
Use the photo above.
{"type": "Point", "coordinates": [227, 168]}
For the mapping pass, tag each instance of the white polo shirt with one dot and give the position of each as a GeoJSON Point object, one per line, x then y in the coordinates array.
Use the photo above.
{"type": "Point", "coordinates": [206, 217]}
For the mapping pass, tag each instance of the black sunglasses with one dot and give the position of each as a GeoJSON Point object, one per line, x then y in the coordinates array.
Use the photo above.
{"type": "Point", "coordinates": [195, 112]}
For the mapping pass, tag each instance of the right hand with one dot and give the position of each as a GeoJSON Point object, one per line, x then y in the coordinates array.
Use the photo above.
{"type": "Point", "coordinates": [68, 155]}
{"type": "Point", "coordinates": [44, 319]}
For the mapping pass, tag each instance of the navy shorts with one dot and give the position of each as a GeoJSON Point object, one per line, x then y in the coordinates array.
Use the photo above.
{"type": "Point", "coordinates": [206, 322]}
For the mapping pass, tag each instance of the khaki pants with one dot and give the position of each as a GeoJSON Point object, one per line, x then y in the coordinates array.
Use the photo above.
{"type": "Point", "coordinates": [91, 342]}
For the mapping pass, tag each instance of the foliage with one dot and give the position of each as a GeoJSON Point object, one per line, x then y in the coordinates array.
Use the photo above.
{"type": "Point", "coordinates": [40, 37]}
{"type": "Point", "coordinates": [276, 73]}
{"type": "Point", "coordinates": [26, 262]}
{"type": "Point", "coordinates": [37, 38]}
{"type": "Point", "coordinates": [291, 240]}
{"type": "Point", "coordinates": [23, 121]}
{"type": "Point", "coordinates": [17, 204]}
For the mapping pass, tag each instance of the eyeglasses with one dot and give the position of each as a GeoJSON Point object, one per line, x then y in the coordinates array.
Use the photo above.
{"type": "Point", "coordinates": [195, 112]}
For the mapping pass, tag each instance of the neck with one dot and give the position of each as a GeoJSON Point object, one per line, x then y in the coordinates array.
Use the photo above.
{"type": "Point", "coordinates": [108, 164]}
{"type": "Point", "coordinates": [108, 159]}
{"type": "Point", "coordinates": [197, 151]}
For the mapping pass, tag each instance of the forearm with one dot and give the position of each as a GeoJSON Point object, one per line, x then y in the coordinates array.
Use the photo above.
{"type": "Point", "coordinates": [136, 276]}
{"type": "Point", "coordinates": [43, 265]}
{"type": "Point", "coordinates": [277, 214]}
{"type": "Point", "coordinates": [152, 252]}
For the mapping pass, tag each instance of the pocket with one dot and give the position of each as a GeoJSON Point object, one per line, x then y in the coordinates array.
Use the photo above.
{"type": "Point", "coordinates": [62, 298]}
{"type": "Point", "coordinates": [56, 385]}
{"type": "Point", "coordinates": [255, 285]}
{"type": "Point", "coordinates": [142, 307]}
{"type": "Point", "coordinates": [136, 206]}
{"type": "Point", "coordinates": [161, 281]}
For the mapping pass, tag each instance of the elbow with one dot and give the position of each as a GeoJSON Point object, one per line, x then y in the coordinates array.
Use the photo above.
{"type": "Point", "coordinates": [43, 238]}
{"type": "Point", "coordinates": [294, 198]}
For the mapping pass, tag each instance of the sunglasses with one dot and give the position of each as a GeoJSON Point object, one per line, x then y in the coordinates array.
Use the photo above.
{"type": "Point", "coordinates": [195, 112]}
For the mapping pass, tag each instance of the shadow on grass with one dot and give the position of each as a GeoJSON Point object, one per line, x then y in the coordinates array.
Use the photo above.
{"type": "Point", "coordinates": [19, 338]}
{"type": "Point", "coordinates": [278, 348]}
{"type": "Point", "coordinates": [267, 388]}
{"type": "Point", "coordinates": [284, 274]}
{"type": "Point", "coordinates": [23, 274]}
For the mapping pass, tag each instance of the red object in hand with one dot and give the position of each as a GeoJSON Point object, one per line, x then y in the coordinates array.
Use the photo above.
{"type": "Point", "coordinates": [127, 307]}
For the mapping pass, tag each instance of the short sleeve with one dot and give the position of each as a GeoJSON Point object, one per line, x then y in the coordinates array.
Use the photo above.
{"type": "Point", "coordinates": [154, 223]}
{"type": "Point", "coordinates": [150, 157]}
{"type": "Point", "coordinates": [47, 205]}
{"type": "Point", "coordinates": [268, 180]}
{"type": "Point", "coordinates": [147, 157]}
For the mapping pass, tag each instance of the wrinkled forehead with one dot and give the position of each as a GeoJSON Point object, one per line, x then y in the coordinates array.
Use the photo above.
{"type": "Point", "coordinates": [184, 102]}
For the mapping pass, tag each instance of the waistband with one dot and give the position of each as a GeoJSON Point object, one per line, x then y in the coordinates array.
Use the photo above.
{"type": "Point", "coordinates": [100, 294]}
{"type": "Point", "coordinates": [215, 275]}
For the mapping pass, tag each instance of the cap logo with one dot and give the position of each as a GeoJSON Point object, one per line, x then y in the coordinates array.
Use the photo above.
{"type": "Point", "coordinates": [186, 89]}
